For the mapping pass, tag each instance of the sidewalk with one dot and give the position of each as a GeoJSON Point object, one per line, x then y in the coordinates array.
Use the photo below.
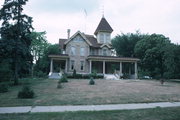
{"type": "Point", "coordinates": [27, 109]}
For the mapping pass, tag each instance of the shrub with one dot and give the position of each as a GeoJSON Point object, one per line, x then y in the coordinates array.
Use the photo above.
{"type": "Point", "coordinates": [3, 88]}
{"type": "Point", "coordinates": [40, 74]}
{"type": "Point", "coordinates": [26, 92]}
{"type": "Point", "coordinates": [74, 73]}
{"type": "Point", "coordinates": [63, 79]}
{"type": "Point", "coordinates": [99, 76]}
{"type": "Point", "coordinates": [93, 74]}
{"type": "Point", "coordinates": [86, 76]}
{"type": "Point", "coordinates": [59, 84]}
{"type": "Point", "coordinates": [91, 82]}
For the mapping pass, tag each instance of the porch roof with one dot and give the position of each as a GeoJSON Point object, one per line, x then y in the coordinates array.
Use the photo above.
{"type": "Point", "coordinates": [112, 58]}
{"type": "Point", "coordinates": [59, 57]}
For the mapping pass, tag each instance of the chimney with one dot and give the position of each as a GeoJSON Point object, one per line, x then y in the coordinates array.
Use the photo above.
{"type": "Point", "coordinates": [68, 33]}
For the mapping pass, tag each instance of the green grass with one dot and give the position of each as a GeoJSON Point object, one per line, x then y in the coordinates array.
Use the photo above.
{"type": "Point", "coordinates": [143, 114]}
{"type": "Point", "coordinates": [79, 92]}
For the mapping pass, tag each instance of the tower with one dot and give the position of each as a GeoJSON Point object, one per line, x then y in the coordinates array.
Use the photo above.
{"type": "Point", "coordinates": [103, 32]}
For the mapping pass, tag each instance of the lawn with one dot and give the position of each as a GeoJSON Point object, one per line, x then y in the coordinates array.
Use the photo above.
{"type": "Point", "coordinates": [78, 92]}
{"type": "Point", "coordinates": [143, 114]}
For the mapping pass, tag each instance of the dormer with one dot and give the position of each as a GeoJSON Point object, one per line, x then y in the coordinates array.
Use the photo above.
{"type": "Point", "coordinates": [103, 32]}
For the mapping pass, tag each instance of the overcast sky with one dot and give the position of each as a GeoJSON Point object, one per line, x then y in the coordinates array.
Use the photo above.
{"type": "Point", "coordinates": [148, 16]}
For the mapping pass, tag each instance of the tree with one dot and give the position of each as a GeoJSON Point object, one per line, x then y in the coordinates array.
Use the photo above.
{"type": "Point", "coordinates": [43, 64]}
{"type": "Point", "coordinates": [124, 44]}
{"type": "Point", "coordinates": [15, 36]}
{"type": "Point", "coordinates": [172, 61]}
{"type": "Point", "coordinates": [151, 50]}
{"type": "Point", "coordinates": [39, 44]}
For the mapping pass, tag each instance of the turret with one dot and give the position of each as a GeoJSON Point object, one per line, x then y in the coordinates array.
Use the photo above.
{"type": "Point", "coordinates": [103, 31]}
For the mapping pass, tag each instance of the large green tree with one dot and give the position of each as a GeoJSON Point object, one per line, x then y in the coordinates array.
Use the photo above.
{"type": "Point", "coordinates": [124, 44]}
{"type": "Point", "coordinates": [43, 64]}
{"type": "Point", "coordinates": [39, 45]}
{"type": "Point", "coordinates": [172, 61]}
{"type": "Point", "coordinates": [151, 50]}
{"type": "Point", "coordinates": [15, 36]}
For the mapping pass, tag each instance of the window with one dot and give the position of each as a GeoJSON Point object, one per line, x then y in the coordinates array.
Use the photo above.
{"type": "Point", "coordinates": [101, 38]}
{"type": "Point", "coordinates": [108, 38]}
{"type": "Point", "coordinates": [92, 52]}
{"type": "Point", "coordinates": [82, 51]}
{"type": "Point", "coordinates": [82, 65]}
{"type": "Point", "coordinates": [78, 39]}
{"type": "Point", "coordinates": [105, 52]}
{"type": "Point", "coordinates": [72, 64]}
{"type": "Point", "coordinates": [73, 50]}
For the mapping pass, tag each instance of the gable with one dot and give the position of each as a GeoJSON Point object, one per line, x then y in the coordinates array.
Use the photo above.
{"type": "Point", "coordinates": [78, 37]}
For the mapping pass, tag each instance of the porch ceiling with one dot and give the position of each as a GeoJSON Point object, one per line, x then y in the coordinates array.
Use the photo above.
{"type": "Point", "coordinates": [59, 57]}
{"type": "Point", "coordinates": [112, 58]}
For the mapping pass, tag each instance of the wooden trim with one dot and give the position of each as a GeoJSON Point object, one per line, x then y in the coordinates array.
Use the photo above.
{"type": "Point", "coordinates": [112, 58]}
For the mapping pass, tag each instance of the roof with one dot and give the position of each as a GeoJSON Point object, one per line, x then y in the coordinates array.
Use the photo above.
{"type": "Point", "coordinates": [81, 34]}
{"type": "Point", "coordinates": [112, 58]}
{"type": "Point", "coordinates": [90, 38]}
{"type": "Point", "coordinates": [103, 26]}
{"type": "Point", "coordinates": [93, 41]}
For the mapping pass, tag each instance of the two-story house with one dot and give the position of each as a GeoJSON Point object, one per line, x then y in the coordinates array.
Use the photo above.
{"type": "Point", "coordinates": [87, 53]}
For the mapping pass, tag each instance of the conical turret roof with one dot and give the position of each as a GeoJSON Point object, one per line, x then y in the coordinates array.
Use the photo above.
{"type": "Point", "coordinates": [103, 26]}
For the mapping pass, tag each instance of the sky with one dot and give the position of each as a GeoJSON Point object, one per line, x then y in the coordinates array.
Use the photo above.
{"type": "Point", "coordinates": [124, 16]}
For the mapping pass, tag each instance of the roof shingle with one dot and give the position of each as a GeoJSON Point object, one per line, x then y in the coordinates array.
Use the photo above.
{"type": "Point", "coordinates": [103, 26]}
{"type": "Point", "coordinates": [93, 41]}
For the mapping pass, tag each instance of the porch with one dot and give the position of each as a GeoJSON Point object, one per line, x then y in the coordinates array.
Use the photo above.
{"type": "Point", "coordinates": [58, 65]}
{"type": "Point", "coordinates": [119, 66]}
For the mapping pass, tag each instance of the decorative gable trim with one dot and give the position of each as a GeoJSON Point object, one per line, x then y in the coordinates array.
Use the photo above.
{"type": "Point", "coordinates": [81, 34]}
{"type": "Point", "coordinates": [103, 45]}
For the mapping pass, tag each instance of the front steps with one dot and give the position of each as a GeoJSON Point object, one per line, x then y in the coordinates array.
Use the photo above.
{"type": "Point", "coordinates": [55, 75]}
{"type": "Point", "coordinates": [110, 77]}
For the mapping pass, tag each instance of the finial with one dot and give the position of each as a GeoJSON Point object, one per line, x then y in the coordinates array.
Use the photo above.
{"type": "Point", "coordinates": [102, 10]}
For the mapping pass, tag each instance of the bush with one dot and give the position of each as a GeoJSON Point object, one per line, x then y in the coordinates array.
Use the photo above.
{"type": "Point", "coordinates": [93, 74]}
{"type": "Point", "coordinates": [40, 74]}
{"type": "Point", "coordinates": [59, 84]}
{"type": "Point", "coordinates": [74, 73]}
{"type": "Point", "coordinates": [63, 79]}
{"type": "Point", "coordinates": [91, 82]}
{"type": "Point", "coordinates": [3, 88]}
{"type": "Point", "coordinates": [99, 76]}
{"type": "Point", "coordinates": [85, 76]}
{"type": "Point", "coordinates": [26, 92]}
{"type": "Point", "coordinates": [125, 76]}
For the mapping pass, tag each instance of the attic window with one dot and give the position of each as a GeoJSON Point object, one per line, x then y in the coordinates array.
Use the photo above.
{"type": "Point", "coordinates": [78, 39]}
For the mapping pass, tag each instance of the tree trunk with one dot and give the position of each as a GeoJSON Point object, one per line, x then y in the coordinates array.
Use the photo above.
{"type": "Point", "coordinates": [16, 82]}
{"type": "Point", "coordinates": [16, 47]}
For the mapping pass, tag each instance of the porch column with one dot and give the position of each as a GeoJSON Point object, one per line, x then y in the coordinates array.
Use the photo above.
{"type": "Point", "coordinates": [66, 66]}
{"type": "Point", "coordinates": [51, 66]}
{"type": "Point", "coordinates": [135, 69]}
{"type": "Point", "coordinates": [104, 67]}
{"type": "Point", "coordinates": [90, 66]}
{"type": "Point", "coordinates": [120, 69]}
